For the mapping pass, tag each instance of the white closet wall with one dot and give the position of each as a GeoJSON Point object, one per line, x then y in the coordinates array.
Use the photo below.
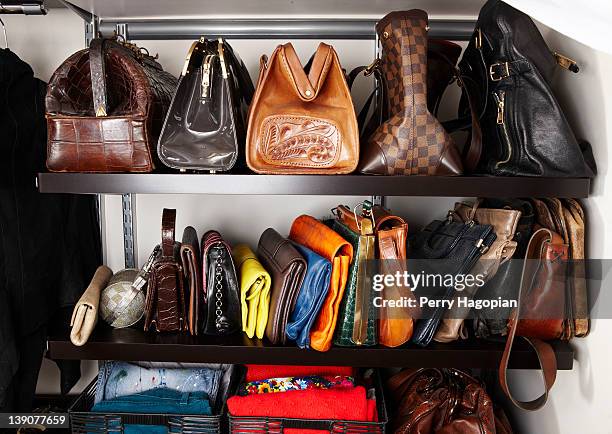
{"type": "Point", "coordinates": [580, 399]}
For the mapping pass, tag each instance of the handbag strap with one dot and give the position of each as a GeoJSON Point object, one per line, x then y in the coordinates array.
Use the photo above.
{"type": "Point", "coordinates": [98, 76]}
{"type": "Point", "coordinates": [544, 351]}
{"type": "Point", "coordinates": [168, 225]}
{"type": "Point", "coordinates": [378, 97]}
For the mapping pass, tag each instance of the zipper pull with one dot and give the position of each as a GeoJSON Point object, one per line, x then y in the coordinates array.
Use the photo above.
{"type": "Point", "coordinates": [143, 275]}
{"type": "Point", "coordinates": [499, 98]}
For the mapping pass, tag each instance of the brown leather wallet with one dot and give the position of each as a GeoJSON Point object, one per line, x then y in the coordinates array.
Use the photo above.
{"type": "Point", "coordinates": [287, 268]}
{"type": "Point", "coordinates": [192, 267]}
{"type": "Point", "coordinates": [165, 303]}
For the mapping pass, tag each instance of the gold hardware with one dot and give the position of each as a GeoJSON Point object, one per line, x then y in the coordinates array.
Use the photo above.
{"type": "Point", "coordinates": [386, 35]}
{"type": "Point", "coordinates": [194, 47]}
{"type": "Point", "coordinates": [222, 59]}
{"type": "Point", "coordinates": [206, 67]}
{"type": "Point", "coordinates": [500, 99]}
{"type": "Point", "coordinates": [566, 62]}
{"type": "Point", "coordinates": [308, 92]}
{"type": "Point", "coordinates": [371, 67]}
{"type": "Point", "coordinates": [427, 28]}
{"type": "Point", "coordinates": [100, 111]}
{"type": "Point", "coordinates": [478, 39]}
{"type": "Point", "coordinates": [495, 76]}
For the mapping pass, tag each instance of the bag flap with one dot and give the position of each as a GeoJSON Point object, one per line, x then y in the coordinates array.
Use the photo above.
{"type": "Point", "coordinates": [307, 86]}
{"type": "Point", "coordinates": [278, 251]}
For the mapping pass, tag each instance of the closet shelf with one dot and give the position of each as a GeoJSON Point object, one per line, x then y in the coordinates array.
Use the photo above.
{"type": "Point", "coordinates": [356, 185]}
{"type": "Point", "coordinates": [133, 345]}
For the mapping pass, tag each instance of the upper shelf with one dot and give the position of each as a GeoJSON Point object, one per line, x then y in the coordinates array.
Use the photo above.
{"type": "Point", "coordinates": [345, 185]}
{"type": "Point", "coordinates": [147, 9]}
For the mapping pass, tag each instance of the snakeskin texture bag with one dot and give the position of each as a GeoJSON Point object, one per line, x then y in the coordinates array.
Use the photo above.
{"type": "Point", "coordinates": [105, 106]}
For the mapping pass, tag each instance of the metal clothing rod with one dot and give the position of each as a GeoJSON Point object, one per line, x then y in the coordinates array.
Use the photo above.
{"type": "Point", "coordinates": [274, 29]}
{"type": "Point", "coordinates": [32, 8]}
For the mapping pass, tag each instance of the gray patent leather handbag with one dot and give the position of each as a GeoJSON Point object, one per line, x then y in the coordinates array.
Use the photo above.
{"type": "Point", "coordinates": [206, 121]}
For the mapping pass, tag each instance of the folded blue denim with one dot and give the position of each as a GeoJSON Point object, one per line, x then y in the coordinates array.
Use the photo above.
{"type": "Point", "coordinates": [130, 428]}
{"type": "Point", "coordinates": [117, 379]}
{"type": "Point", "coordinates": [310, 298]}
{"type": "Point", "coordinates": [157, 401]}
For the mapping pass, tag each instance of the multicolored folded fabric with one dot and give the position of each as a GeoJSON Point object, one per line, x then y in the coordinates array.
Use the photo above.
{"type": "Point", "coordinates": [286, 384]}
{"type": "Point", "coordinates": [263, 372]}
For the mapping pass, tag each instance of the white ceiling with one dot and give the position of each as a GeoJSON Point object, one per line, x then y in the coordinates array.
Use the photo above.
{"type": "Point", "coordinates": [109, 9]}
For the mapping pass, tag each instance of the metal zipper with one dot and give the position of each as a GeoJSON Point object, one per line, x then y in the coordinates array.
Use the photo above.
{"type": "Point", "coordinates": [500, 99]}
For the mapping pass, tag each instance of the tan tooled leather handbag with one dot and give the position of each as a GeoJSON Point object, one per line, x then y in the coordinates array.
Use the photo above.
{"type": "Point", "coordinates": [302, 121]}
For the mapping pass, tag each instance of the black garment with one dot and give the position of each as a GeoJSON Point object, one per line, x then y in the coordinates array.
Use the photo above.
{"type": "Point", "coordinates": [49, 243]}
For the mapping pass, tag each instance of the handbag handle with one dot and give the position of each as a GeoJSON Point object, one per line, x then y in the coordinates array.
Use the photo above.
{"type": "Point", "coordinates": [168, 225]}
{"type": "Point", "coordinates": [98, 76]}
{"type": "Point", "coordinates": [544, 351]}
{"type": "Point", "coordinates": [307, 86]}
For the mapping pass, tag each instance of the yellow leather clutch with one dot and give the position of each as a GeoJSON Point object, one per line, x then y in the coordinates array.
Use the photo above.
{"type": "Point", "coordinates": [255, 285]}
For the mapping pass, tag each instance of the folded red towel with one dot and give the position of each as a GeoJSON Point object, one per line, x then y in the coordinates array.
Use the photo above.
{"type": "Point", "coordinates": [263, 372]}
{"type": "Point", "coordinates": [342, 404]}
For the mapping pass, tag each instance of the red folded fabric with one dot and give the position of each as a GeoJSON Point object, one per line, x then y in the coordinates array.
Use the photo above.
{"type": "Point", "coordinates": [263, 372]}
{"type": "Point", "coordinates": [342, 404]}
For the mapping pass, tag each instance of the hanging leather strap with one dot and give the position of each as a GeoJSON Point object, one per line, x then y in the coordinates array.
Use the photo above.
{"type": "Point", "coordinates": [98, 76]}
{"type": "Point", "coordinates": [168, 225]}
{"type": "Point", "coordinates": [378, 97]}
{"type": "Point", "coordinates": [544, 351]}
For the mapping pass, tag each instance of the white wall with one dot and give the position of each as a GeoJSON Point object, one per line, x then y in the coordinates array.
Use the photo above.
{"type": "Point", "coordinates": [580, 399]}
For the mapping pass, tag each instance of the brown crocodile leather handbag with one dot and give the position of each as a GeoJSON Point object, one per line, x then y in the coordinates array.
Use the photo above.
{"type": "Point", "coordinates": [165, 302]}
{"type": "Point", "coordinates": [105, 106]}
{"type": "Point", "coordinates": [302, 121]}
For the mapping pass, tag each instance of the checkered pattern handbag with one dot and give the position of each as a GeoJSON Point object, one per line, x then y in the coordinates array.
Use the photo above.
{"type": "Point", "coordinates": [411, 141]}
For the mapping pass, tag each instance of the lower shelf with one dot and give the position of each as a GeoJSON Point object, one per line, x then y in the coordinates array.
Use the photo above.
{"type": "Point", "coordinates": [133, 345]}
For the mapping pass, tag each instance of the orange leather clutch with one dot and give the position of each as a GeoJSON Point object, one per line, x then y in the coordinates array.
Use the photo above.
{"type": "Point", "coordinates": [313, 234]}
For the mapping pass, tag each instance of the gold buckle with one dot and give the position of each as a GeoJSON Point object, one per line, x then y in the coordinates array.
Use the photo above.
{"type": "Point", "coordinates": [494, 75]}
{"type": "Point", "coordinates": [566, 62]}
{"type": "Point", "coordinates": [370, 68]}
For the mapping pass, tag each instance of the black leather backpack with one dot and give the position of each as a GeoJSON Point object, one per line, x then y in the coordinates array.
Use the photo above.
{"type": "Point", "coordinates": [507, 69]}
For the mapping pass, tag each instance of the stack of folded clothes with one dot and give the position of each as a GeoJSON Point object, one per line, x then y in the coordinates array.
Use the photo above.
{"type": "Point", "coordinates": [303, 392]}
{"type": "Point", "coordinates": [160, 388]}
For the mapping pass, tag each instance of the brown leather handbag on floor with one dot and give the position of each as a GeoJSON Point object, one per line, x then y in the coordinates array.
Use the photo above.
{"type": "Point", "coordinates": [165, 302]}
{"type": "Point", "coordinates": [302, 121]}
{"type": "Point", "coordinates": [105, 107]}
{"type": "Point", "coordinates": [411, 141]}
{"type": "Point", "coordinates": [443, 401]}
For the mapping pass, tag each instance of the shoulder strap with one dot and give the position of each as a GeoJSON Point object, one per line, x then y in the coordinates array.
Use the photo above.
{"type": "Point", "coordinates": [98, 76]}
{"type": "Point", "coordinates": [168, 224]}
{"type": "Point", "coordinates": [378, 97]}
{"type": "Point", "coordinates": [544, 351]}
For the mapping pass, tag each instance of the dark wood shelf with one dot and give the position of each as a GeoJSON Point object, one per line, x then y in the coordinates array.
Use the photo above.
{"type": "Point", "coordinates": [355, 185]}
{"type": "Point", "coordinates": [133, 345]}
